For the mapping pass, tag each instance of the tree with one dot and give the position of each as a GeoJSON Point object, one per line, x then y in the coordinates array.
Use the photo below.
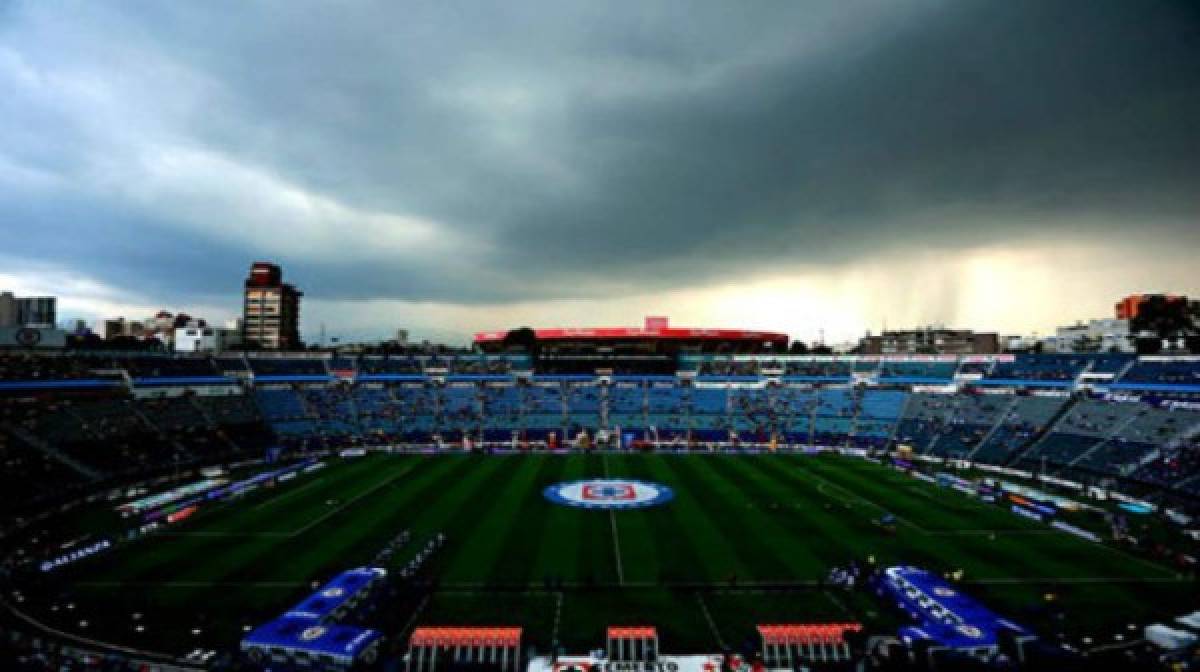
{"type": "Point", "coordinates": [1168, 318]}
{"type": "Point", "coordinates": [522, 338]}
{"type": "Point", "coordinates": [798, 348]}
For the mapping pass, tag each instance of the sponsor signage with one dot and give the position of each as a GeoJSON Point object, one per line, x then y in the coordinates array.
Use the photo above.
{"type": "Point", "coordinates": [75, 555]}
{"type": "Point", "coordinates": [695, 663]}
{"type": "Point", "coordinates": [181, 514]}
{"type": "Point", "coordinates": [1077, 531]}
{"type": "Point", "coordinates": [1028, 513]}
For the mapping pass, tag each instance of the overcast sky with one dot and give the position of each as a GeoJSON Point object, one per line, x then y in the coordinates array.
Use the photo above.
{"type": "Point", "coordinates": [451, 167]}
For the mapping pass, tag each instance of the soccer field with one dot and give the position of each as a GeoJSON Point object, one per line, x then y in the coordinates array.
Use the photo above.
{"type": "Point", "coordinates": [746, 540]}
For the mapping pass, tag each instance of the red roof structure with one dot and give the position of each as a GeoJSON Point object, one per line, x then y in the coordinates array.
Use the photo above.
{"type": "Point", "coordinates": [825, 633]}
{"type": "Point", "coordinates": [654, 328]}
{"type": "Point", "coordinates": [465, 636]}
{"type": "Point", "coordinates": [632, 632]}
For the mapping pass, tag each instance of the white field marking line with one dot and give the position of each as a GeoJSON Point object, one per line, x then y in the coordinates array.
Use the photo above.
{"type": "Point", "coordinates": [1126, 554]}
{"type": "Point", "coordinates": [412, 620]}
{"type": "Point", "coordinates": [1113, 549]}
{"type": "Point", "coordinates": [1117, 645]}
{"type": "Point", "coordinates": [481, 587]}
{"type": "Point", "coordinates": [612, 521]}
{"type": "Point", "coordinates": [761, 587]}
{"type": "Point", "coordinates": [1076, 579]}
{"type": "Point", "coordinates": [220, 534]}
{"type": "Point", "coordinates": [192, 584]}
{"type": "Point", "coordinates": [922, 530]}
{"type": "Point", "coordinates": [753, 587]}
{"type": "Point", "coordinates": [558, 601]}
{"type": "Point", "coordinates": [350, 502]}
{"type": "Point", "coordinates": [822, 483]}
{"type": "Point", "coordinates": [286, 495]}
{"type": "Point", "coordinates": [838, 603]}
{"type": "Point", "coordinates": [980, 532]}
{"type": "Point", "coordinates": [712, 625]}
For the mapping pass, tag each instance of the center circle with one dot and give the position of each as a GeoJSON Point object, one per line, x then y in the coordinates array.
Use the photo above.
{"type": "Point", "coordinates": [608, 493]}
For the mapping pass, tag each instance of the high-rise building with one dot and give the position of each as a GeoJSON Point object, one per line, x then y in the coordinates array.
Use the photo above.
{"type": "Point", "coordinates": [1130, 307]}
{"type": "Point", "coordinates": [931, 340]}
{"type": "Point", "coordinates": [28, 311]}
{"type": "Point", "coordinates": [118, 327]}
{"type": "Point", "coordinates": [37, 311]}
{"type": "Point", "coordinates": [8, 310]}
{"type": "Point", "coordinates": [270, 309]}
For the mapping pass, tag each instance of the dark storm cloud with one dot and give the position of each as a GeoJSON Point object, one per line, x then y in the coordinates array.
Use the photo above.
{"type": "Point", "coordinates": [541, 150]}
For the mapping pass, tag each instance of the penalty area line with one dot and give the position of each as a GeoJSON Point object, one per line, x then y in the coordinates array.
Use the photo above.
{"type": "Point", "coordinates": [287, 495]}
{"type": "Point", "coordinates": [352, 501]}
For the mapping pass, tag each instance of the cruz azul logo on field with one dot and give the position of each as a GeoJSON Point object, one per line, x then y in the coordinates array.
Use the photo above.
{"type": "Point", "coordinates": [608, 493]}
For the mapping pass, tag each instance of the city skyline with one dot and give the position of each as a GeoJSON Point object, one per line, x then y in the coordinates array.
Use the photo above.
{"type": "Point", "coordinates": [825, 167]}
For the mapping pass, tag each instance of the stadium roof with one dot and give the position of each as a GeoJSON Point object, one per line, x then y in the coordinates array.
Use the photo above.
{"type": "Point", "coordinates": [654, 328]}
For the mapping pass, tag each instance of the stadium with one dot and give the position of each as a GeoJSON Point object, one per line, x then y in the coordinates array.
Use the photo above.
{"type": "Point", "coordinates": [483, 511]}
{"type": "Point", "coordinates": [312, 356]}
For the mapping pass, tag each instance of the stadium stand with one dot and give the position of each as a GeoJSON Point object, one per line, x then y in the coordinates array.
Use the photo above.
{"type": "Point", "coordinates": [836, 409]}
{"type": "Point", "coordinates": [1136, 439]}
{"type": "Point", "coordinates": [544, 408]}
{"type": "Point", "coordinates": [966, 420]}
{"type": "Point", "coordinates": [626, 402]}
{"type": "Point", "coordinates": [151, 368]}
{"type": "Point", "coordinates": [1162, 372]}
{"type": "Point", "coordinates": [710, 413]}
{"type": "Point", "coordinates": [459, 411]}
{"type": "Point", "coordinates": [796, 407]}
{"type": "Point", "coordinates": [417, 405]}
{"type": "Point", "coordinates": [583, 408]}
{"type": "Point", "coordinates": [1025, 419]}
{"type": "Point", "coordinates": [667, 407]}
{"type": "Point", "coordinates": [1088, 424]}
{"type": "Point", "coordinates": [877, 416]}
{"type": "Point", "coordinates": [271, 367]}
{"type": "Point", "coordinates": [156, 416]}
{"type": "Point", "coordinates": [827, 371]}
{"type": "Point", "coordinates": [387, 366]}
{"type": "Point", "coordinates": [502, 411]}
{"type": "Point", "coordinates": [22, 367]}
{"type": "Point", "coordinates": [918, 372]}
{"type": "Point", "coordinates": [1039, 369]}
{"type": "Point", "coordinates": [152, 412]}
{"type": "Point", "coordinates": [751, 413]}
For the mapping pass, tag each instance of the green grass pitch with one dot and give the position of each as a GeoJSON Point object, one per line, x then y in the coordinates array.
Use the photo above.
{"type": "Point", "coordinates": [745, 541]}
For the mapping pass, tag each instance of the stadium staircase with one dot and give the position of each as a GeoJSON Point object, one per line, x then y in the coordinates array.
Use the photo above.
{"type": "Point", "coordinates": [1000, 419]}
{"type": "Point", "coordinates": [212, 424]}
{"type": "Point", "coordinates": [356, 416]}
{"type": "Point", "coordinates": [158, 430]}
{"type": "Point", "coordinates": [208, 419]}
{"type": "Point", "coordinates": [1125, 369]}
{"type": "Point", "coordinates": [932, 444]}
{"type": "Point", "coordinates": [49, 450]}
{"type": "Point", "coordinates": [891, 442]}
{"type": "Point", "coordinates": [1113, 433]}
{"type": "Point", "coordinates": [309, 411]}
{"type": "Point", "coordinates": [1180, 441]}
{"type": "Point", "coordinates": [83, 423]}
{"type": "Point", "coordinates": [856, 404]}
{"type": "Point", "coordinates": [1034, 441]}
